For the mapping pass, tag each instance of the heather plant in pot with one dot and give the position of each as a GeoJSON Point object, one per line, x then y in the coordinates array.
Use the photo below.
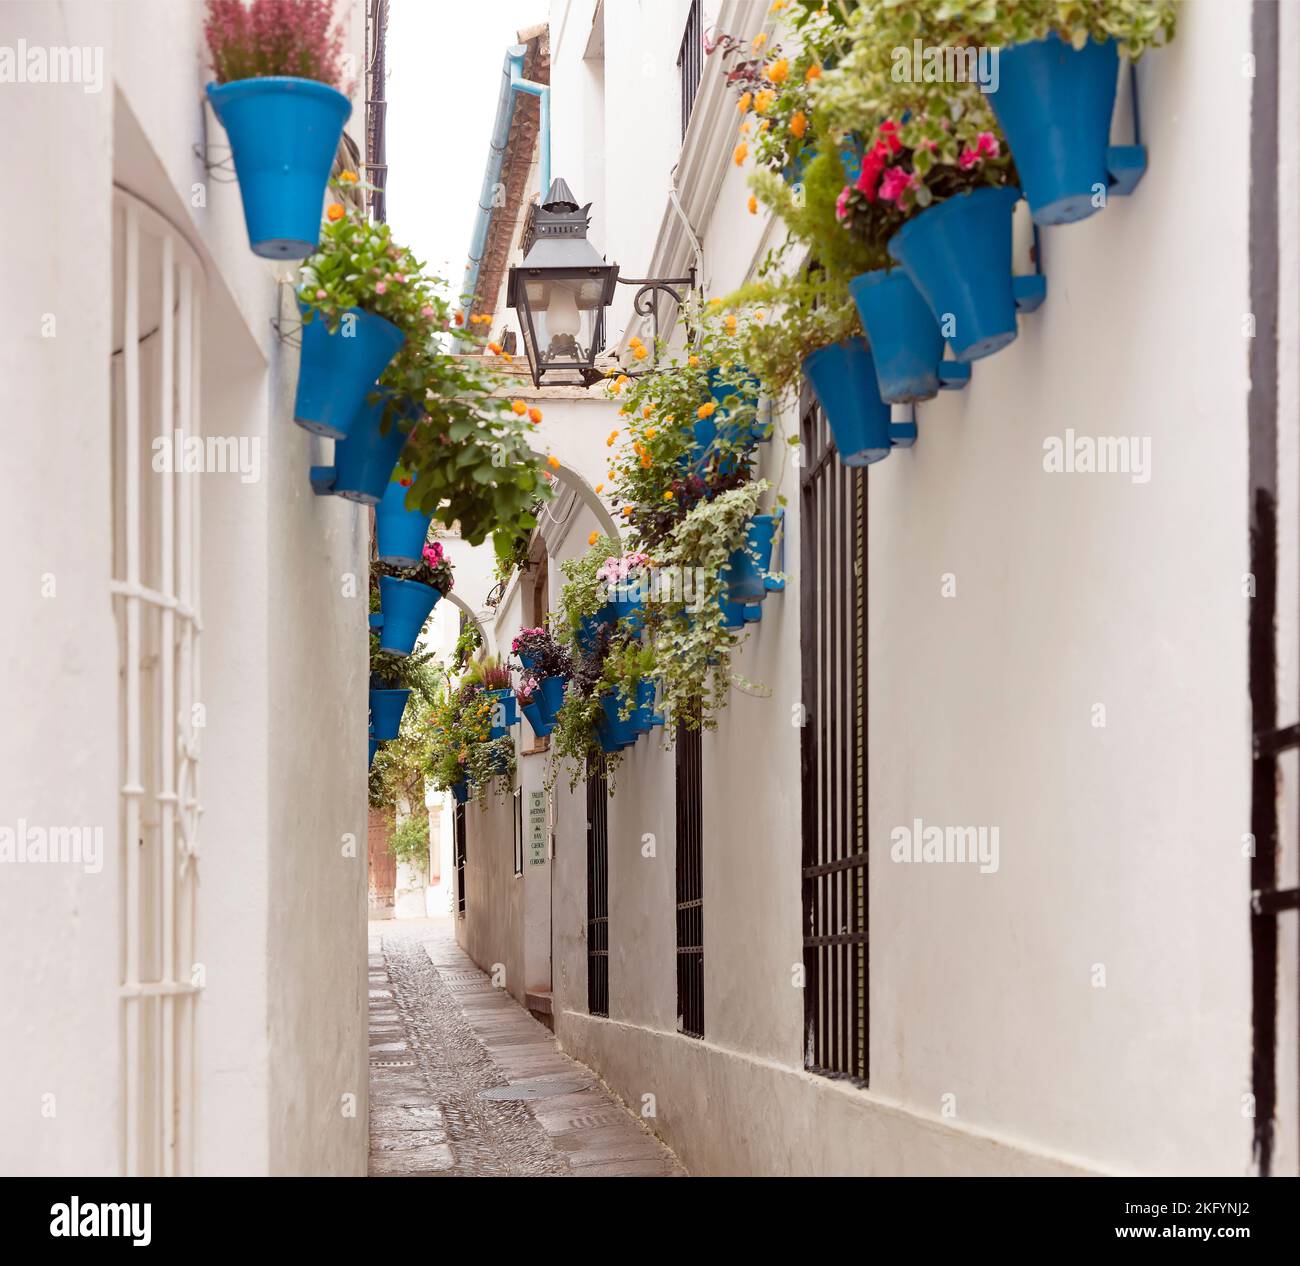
{"type": "Point", "coordinates": [278, 69]}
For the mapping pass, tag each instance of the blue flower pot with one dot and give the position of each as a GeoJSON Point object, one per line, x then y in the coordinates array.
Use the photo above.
{"type": "Point", "coordinates": [364, 462]}
{"type": "Point", "coordinates": [337, 371]}
{"type": "Point", "coordinates": [460, 791]}
{"type": "Point", "coordinates": [615, 733]}
{"type": "Point", "coordinates": [402, 533]}
{"type": "Point", "coordinates": [386, 708]}
{"type": "Point", "coordinates": [283, 133]}
{"type": "Point", "coordinates": [742, 385]}
{"type": "Point", "coordinates": [624, 608]}
{"type": "Point", "coordinates": [552, 699]}
{"type": "Point", "coordinates": [644, 716]}
{"type": "Point", "coordinates": [526, 660]}
{"type": "Point", "coordinates": [843, 378]}
{"type": "Point", "coordinates": [733, 613]}
{"type": "Point", "coordinates": [1055, 105]}
{"type": "Point", "coordinates": [958, 253]}
{"type": "Point", "coordinates": [406, 606]}
{"type": "Point", "coordinates": [905, 344]}
{"type": "Point", "coordinates": [746, 568]}
{"type": "Point", "coordinates": [589, 627]}
{"type": "Point", "coordinates": [541, 726]}
{"type": "Point", "coordinates": [509, 715]}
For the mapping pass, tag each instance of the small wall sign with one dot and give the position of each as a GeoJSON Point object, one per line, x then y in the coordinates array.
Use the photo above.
{"type": "Point", "coordinates": [537, 828]}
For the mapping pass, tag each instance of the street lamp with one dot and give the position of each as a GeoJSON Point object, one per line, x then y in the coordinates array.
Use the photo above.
{"type": "Point", "coordinates": [561, 291]}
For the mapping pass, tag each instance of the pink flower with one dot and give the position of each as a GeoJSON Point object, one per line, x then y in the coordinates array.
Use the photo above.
{"type": "Point", "coordinates": [381, 288]}
{"type": "Point", "coordinates": [427, 310]}
{"type": "Point", "coordinates": [872, 165]}
{"type": "Point", "coordinates": [842, 202]}
{"type": "Point", "coordinates": [986, 146]}
{"type": "Point", "coordinates": [896, 181]}
{"type": "Point", "coordinates": [400, 278]}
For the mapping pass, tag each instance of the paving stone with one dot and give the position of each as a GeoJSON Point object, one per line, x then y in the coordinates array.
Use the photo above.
{"type": "Point", "coordinates": [464, 1081]}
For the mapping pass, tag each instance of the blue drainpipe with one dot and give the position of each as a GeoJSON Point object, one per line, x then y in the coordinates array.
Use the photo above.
{"type": "Point", "coordinates": [512, 81]}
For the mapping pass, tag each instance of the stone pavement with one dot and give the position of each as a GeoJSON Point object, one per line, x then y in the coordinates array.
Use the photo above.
{"type": "Point", "coordinates": [464, 1082]}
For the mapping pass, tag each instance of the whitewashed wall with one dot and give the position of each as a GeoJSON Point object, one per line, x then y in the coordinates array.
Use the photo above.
{"type": "Point", "coordinates": [281, 1025]}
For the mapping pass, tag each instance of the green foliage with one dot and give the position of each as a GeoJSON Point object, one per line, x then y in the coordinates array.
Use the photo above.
{"type": "Point", "coordinates": [410, 842]}
{"type": "Point", "coordinates": [573, 740]}
{"type": "Point", "coordinates": [469, 641]}
{"type": "Point", "coordinates": [491, 765]}
{"type": "Point", "coordinates": [583, 594]}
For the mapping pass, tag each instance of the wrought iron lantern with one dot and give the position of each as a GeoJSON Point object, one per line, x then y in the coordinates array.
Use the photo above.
{"type": "Point", "coordinates": [561, 291]}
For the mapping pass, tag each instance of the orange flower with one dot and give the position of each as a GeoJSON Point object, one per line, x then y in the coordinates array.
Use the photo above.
{"type": "Point", "coordinates": [494, 348]}
{"type": "Point", "coordinates": [626, 511]}
{"type": "Point", "coordinates": [692, 361]}
{"type": "Point", "coordinates": [460, 318]}
{"type": "Point", "coordinates": [763, 100]}
{"type": "Point", "coordinates": [753, 205]}
{"type": "Point", "coordinates": [759, 315]}
{"type": "Point", "coordinates": [609, 443]}
{"type": "Point", "coordinates": [813, 72]}
{"type": "Point", "coordinates": [520, 408]}
{"type": "Point", "coordinates": [762, 127]}
{"type": "Point", "coordinates": [746, 100]}
{"type": "Point", "coordinates": [599, 488]}
{"type": "Point", "coordinates": [335, 211]}
{"type": "Point", "coordinates": [613, 474]}
{"type": "Point", "coordinates": [730, 323]}
{"type": "Point", "coordinates": [647, 411]}
{"type": "Point", "coordinates": [706, 410]}
{"type": "Point", "coordinates": [799, 124]}
{"type": "Point", "coordinates": [650, 432]}
{"type": "Point", "coordinates": [640, 352]}
{"type": "Point", "coordinates": [595, 536]}
{"type": "Point", "coordinates": [534, 416]}
{"type": "Point", "coordinates": [553, 462]}
{"type": "Point", "coordinates": [738, 156]}
{"type": "Point", "coordinates": [744, 129]}
{"type": "Point", "coordinates": [759, 40]}
{"type": "Point", "coordinates": [778, 71]}
{"type": "Point", "coordinates": [668, 494]}
{"type": "Point", "coordinates": [347, 178]}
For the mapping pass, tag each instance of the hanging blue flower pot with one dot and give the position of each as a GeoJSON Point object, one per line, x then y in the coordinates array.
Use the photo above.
{"type": "Point", "coordinates": [905, 344]}
{"type": "Point", "coordinates": [627, 607]}
{"type": "Point", "coordinates": [589, 627]}
{"type": "Point", "coordinates": [406, 606]}
{"type": "Point", "coordinates": [283, 133]}
{"type": "Point", "coordinates": [541, 726]}
{"type": "Point", "coordinates": [552, 697]}
{"type": "Point", "coordinates": [740, 385]}
{"type": "Point", "coordinates": [644, 716]}
{"type": "Point", "coordinates": [337, 371]}
{"type": "Point", "coordinates": [843, 378]}
{"type": "Point", "coordinates": [460, 791]}
{"type": "Point", "coordinates": [733, 613]}
{"type": "Point", "coordinates": [958, 253]}
{"type": "Point", "coordinates": [364, 462]}
{"type": "Point", "coordinates": [747, 566]}
{"type": "Point", "coordinates": [401, 532]}
{"type": "Point", "coordinates": [507, 716]}
{"type": "Point", "coordinates": [613, 731]}
{"type": "Point", "coordinates": [386, 708]}
{"type": "Point", "coordinates": [525, 659]}
{"type": "Point", "coordinates": [1055, 104]}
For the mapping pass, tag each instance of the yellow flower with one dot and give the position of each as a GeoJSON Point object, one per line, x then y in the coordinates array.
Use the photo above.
{"type": "Point", "coordinates": [599, 488]}
{"type": "Point", "coordinates": [715, 303]}
{"type": "Point", "coordinates": [759, 315]}
{"type": "Point", "coordinates": [813, 72]}
{"type": "Point", "coordinates": [738, 156]}
{"type": "Point", "coordinates": [609, 443]}
{"type": "Point", "coordinates": [622, 381]}
{"type": "Point", "coordinates": [778, 71]}
{"type": "Point", "coordinates": [347, 178]}
{"type": "Point", "coordinates": [613, 474]}
{"type": "Point", "coordinates": [746, 100]}
{"type": "Point", "coordinates": [706, 410]}
{"type": "Point", "coordinates": [753, 205]}
{"type": "Point", "coordinates": [626, 511]}
{"type": "Point", "coordinates": [744, 129]}
{"type": "Point", "coordinates": [693, 361]}
{"type": "Point", "coordinates": [668, 494]}
{"type": "Point", "coordinates": [650, 432]}
{"type": "Point", "coordinates": [520, 408]}
{"type": "Point", "coordinates": [335, 211]}
{"type": "Point", "coordinates": [553, 462]}
{"type": "Point", "coordinates": [763, 100]}
{"type": "Point", "coordinates": [759, 40]}
{"type": "Point", "coordinates": [634, 341]}
{"type": "Point", "coordinates": [762, 127]}
{"type": "Point", "coordinates": [799, 124]}
{"type": "Point", "coordinates": [730, 324]}
{"type": "Point", "coordinates": [778, 5]}
{"type": "Point", "coordinates": [640, 352]}
{"type": "Point", "coordinates": [595, 536]}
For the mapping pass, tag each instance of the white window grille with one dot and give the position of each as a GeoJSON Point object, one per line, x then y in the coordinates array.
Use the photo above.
{"type": "Point", "coordinates": [157, 292]}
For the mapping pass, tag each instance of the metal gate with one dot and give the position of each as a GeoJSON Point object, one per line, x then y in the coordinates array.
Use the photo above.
{"type": "Point", "coordinates": [597, 888]}
{"type": "Point", "coordinates": [690, 884]}
{"type": "Point", "coordinates": [833, 612]}
{"type": "Point", "coordinates": [158, 285]}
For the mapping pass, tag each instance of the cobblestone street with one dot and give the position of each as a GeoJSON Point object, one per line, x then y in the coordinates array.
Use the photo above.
{"type": "Point", "coordinates": [463, 1081]}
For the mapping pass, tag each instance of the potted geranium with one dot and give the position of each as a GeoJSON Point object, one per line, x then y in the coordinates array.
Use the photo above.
{"type": "Point", "coordinates": [409, 594]}
{"type": "Point", "coordinates": [278, 68]}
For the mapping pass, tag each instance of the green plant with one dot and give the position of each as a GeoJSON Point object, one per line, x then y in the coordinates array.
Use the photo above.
{"type": "Point", "coordinates": [583, 592]}
{"type": "Point", "coordinates": [626, 666]}
{"type": "Point", "coordinates": [573, 739]}
{"type": "Point", "coordinates": [409, 844]}
{"type": "Point", "coordinates": [491, 763]}
{"type": "Point", "coordinates": [692, 647]}
{"type": "Point", "coordinates": [468, 642]}
{"type": "Point", "coordinates": [434, 569]}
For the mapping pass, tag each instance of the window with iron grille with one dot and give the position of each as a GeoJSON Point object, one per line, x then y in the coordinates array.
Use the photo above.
{"type": "Point", "coordinates": [690, 884]}
{"type": "Point", "coordinates": [690, 62]}
{"type": "Point", "coordinates": [460, 859]}
{"type": "Point", "coordinates": [833, 608]}
{"type": "Point", "coordinates": [597, 889]}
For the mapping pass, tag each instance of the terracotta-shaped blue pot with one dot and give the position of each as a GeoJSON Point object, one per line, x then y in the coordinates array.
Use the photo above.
{"type": "Point", "coordinates": [337, 371]}
{"type": "Point", "coordinates": [283, 133]}
{"type": "Point", "coordinates": [364, 462]}
{"type": "Point", "coordinates": [747, 568]}
{"type": "Point", "coordinates": [406, 605]}
{"type": "Point", "coordinates": [386, 708]}
{"type": "Point", "coordinates": [843, 378]}
{"type": "Point", "coordinates": [613, 731]}
{"type": "Point", "coordinates": [552, 697]}
{"type": "Point", "coordinates": [958, 253]}
{"type": "Point", "coordinates": [533, 711]}
{"type": "Point", "coordinates": [401, 533]}
{"type": "Point", "coordinates": [905, 343]}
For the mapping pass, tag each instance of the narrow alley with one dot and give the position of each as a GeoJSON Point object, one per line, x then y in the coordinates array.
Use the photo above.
{"type": "Point", "coordinates": [464, 1082]}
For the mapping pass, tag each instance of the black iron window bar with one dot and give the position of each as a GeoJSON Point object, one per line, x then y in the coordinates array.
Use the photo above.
{"type": "Point", "coordinates": [597, 888]}
{"type": "Point", "coordinates": [690, 61]}
{"type": "Point", "coordinates": [690, 882]}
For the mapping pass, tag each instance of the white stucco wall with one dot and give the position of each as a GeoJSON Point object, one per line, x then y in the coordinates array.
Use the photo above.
{"type": "Point", "coordinates": [994, 1047]}
{"type": "Point", "coordinates": [281, 1024]}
